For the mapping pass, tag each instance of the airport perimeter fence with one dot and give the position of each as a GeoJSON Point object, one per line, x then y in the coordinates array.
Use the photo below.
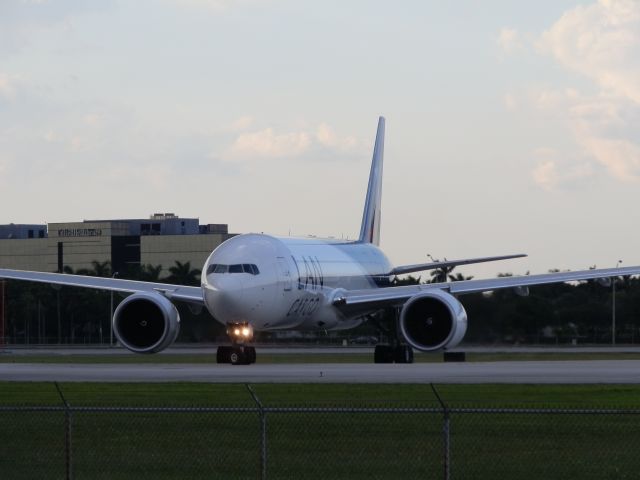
{"type": "Point", "coordinates": [83, 442]}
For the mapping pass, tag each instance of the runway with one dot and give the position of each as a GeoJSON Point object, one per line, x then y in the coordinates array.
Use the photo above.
{"type": "Point", "coordinates": [200, 349]}
{"type": "Point", "coordinates": [547, 372]}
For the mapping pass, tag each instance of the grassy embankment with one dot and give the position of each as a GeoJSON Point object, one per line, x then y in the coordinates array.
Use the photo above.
{"type": "Point", "coordinates": [123, 445]}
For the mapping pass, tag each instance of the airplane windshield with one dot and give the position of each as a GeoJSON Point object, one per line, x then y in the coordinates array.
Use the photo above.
{"type": "Point", "coordinates": [236, 268]}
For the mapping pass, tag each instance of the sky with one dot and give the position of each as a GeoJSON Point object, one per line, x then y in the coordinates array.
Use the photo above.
{"type": "Point", "coordinates": [512, 127]}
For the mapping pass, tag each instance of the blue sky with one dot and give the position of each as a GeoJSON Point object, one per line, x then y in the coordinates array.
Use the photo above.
{"type": "Point", "coordinates": [511, 126]}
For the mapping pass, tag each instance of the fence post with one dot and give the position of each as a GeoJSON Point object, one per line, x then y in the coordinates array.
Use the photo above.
{"type": "Point", "coordinates": [263, 433]}
{"type": "Point", "coordinates": [67, 435]}
{"type": "Point", "coordinates": [446, 433]}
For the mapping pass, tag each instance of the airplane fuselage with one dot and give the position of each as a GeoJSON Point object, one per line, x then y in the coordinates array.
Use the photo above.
{"type": "Point", "coordinates": [276, 283]}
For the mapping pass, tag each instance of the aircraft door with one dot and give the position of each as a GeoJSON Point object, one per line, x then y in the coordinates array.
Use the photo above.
{"type": "Point", "coordinates": [284, 274]}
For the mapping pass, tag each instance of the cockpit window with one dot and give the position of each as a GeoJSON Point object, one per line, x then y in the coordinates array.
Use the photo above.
{"type": "Point", "coordinates": [250, 268]}
{"type": "Point", "coordinates": [236, 268]}
{"type": "Point", "coordinates": [217, 268]}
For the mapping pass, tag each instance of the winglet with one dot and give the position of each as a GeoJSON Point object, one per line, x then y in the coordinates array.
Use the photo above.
{"type": "Point", "coordinates": [370, 228]}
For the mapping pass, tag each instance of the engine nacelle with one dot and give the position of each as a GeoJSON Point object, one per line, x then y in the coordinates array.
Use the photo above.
{"type": "Point", "coordinates": [146, 322]}
{"type": "Point", "coordinates": [433, 320]}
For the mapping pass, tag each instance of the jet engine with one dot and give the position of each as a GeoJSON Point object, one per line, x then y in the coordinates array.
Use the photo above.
{"type": "Point", "coordinates": [146, 322]}
{"type": "Point", "coordinates": [433, 320]}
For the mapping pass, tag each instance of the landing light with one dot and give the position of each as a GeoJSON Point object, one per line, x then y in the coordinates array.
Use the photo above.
{"type": "Point", "coordinates": [240, 332]}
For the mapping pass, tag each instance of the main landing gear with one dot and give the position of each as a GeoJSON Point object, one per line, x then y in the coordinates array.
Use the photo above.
{"type": "Point", "coordinates": [393, 354]}
{"type": "Point", "coordinates": [396, 352]}
{"type": "Point", "coordinates": [238, 353]}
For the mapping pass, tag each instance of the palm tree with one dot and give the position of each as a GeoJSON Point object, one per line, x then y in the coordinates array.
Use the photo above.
{"type": "Point", "coordinates": [439, 275]}
{"type": "Point", "coordinates": [183, 274]}
{"type": "Point", "coordinates": [101, 269]}
{"type": "Point", "coordinates": [405, 280]}
{"type": "Point", "coordinates": [150, 273]}
{"type": "Point", "coordinates": [459, 277]}
{"type": "Point", "coordinates": [145, 273]}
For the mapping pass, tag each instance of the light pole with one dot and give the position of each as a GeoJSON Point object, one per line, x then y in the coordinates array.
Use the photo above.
{"type": "Point", "coordinates": [613, 306]}
{"type": "Point", "coordinates": [115, 274]}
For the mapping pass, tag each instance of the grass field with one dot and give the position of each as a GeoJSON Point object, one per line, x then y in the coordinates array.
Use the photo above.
{"type": "Point", "coordinates": [320, 395]}
{"type": "Point", "coordinates": [200, 358]}
{"type": "Point", "coordinates": [315, 444]}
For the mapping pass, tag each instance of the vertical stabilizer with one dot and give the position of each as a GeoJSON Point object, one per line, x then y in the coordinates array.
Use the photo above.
{"type": "Point", "coordinates": [370, 229]}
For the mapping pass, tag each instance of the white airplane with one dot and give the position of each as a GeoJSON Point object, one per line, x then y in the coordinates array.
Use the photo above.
{"type": "Point", "coordinates": [257, 282]}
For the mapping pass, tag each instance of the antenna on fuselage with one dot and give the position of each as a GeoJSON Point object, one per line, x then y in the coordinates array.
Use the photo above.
{"type": "Point", "coordinates": [370, 228]}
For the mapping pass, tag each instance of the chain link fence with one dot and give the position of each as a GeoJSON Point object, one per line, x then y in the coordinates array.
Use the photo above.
{"type": "Point", "coordinates": [83, 442]}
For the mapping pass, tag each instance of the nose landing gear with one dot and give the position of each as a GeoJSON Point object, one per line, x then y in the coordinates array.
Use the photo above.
{"type": "Point", "coordinates": [238, 353]}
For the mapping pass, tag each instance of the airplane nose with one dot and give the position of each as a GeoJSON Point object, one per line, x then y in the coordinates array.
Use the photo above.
{"type": "Point", "coordinates": [227, 298]}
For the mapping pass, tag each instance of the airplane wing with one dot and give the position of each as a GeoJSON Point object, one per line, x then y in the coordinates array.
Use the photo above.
{"type": "Point", "coordinates": [420, 267]}
{"type": "Point", "coordinates": [375, 299]}
{"type": "Point", "coordinates": [173, 292]}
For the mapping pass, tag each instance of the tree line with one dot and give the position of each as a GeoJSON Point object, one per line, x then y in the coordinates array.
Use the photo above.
{"type": "Point", "coordinates": [554, 313]}
{"type": "Point", "coordinates": [39, 313]}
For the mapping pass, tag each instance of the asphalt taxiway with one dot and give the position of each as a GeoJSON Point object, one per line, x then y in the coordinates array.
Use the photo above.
{"type": "Point", "coordinates": [548, 372]}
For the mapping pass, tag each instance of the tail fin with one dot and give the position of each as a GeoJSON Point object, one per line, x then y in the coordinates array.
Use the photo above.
{"type": "Point", "coordinates": [370, 228]}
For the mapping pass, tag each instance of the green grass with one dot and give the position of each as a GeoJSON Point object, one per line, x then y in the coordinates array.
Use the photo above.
{"type": "Point", "coordinates": [141, 445]}
{"type": "Point", "coordinates": [200, 358]}
{"type": "Point", "coordinates": [190, 394]}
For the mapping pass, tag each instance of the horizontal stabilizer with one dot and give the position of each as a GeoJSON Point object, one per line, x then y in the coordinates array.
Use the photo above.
{"type": "Point", "coordinates": [421, 267]}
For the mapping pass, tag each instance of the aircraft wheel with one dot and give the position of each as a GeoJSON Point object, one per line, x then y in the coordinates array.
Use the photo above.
{"type": "Point", "coordinates": [240, 356]}
{"type": "Point", "coordinates": [223, 354]}
{"type": "Point", "coordinates": [236, 355]}
{"type": "Point", "coordinates": [250, 353]}
{"type": "Point", "coordinates": [383, 354]}
{"type": "Point", "coordinates": [403, 354]}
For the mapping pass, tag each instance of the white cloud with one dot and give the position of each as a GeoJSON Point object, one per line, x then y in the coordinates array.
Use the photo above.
{"type": "Point", "coordinates": [92, 119]}
{"type": "Point", "coordinates": [601, 41]}
{"type": "Point", "coordinates": [270, 144]}
{"type": "Point", "coordinates": [545, 174]}
{"type": "Point", "coordinates": [242, 123]}
{"type": "Point", "coordinates": [553, 169]}
{"type": "Point", "coordinates": [266, 143]}
{"type": "Point", "coordinates": [510, 101]}
{"type": "Point", "coordinates": [603, 126]}
{"type": "Point", "coordinates": [510, 40]}
{"type": "Point", "coordinates": [620, 157]}
{"type": "Point", "coordinates": [8, 85]}
{"type": "Point", "coordinates": [326, 136]}
{"type": "Point", "coordinates": [550, 99]}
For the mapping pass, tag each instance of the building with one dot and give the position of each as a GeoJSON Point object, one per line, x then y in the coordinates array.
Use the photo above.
{"type": "Point", "coordinates": [162, 239]}
{"type": "Point", "coordinates": [13, 231]}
